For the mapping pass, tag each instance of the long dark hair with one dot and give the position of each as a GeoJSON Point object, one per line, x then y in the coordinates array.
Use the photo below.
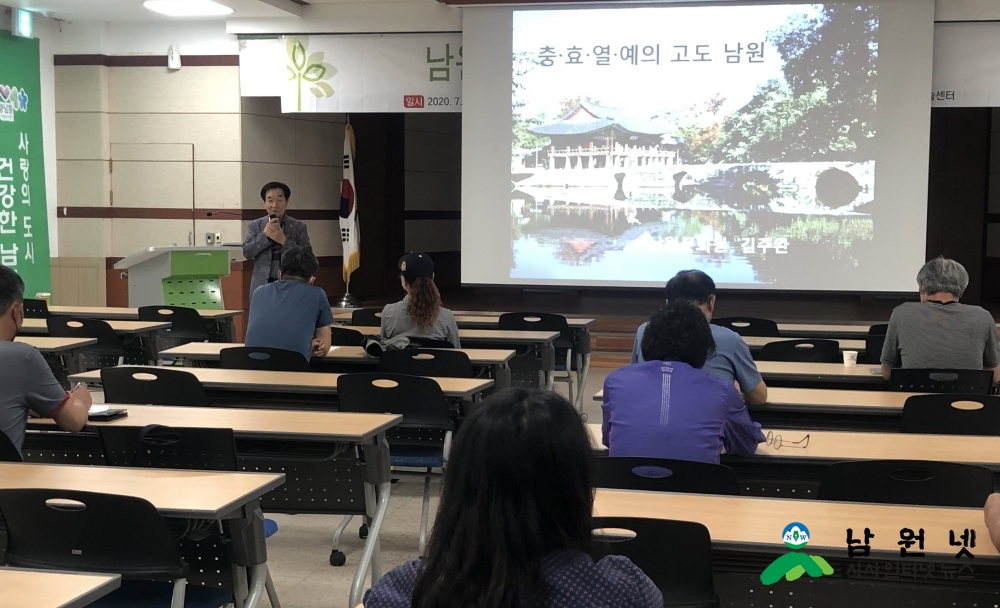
{"type": "Point", "coordinates": [516, 489]}
{"type": "Point", "coordinates": [425, 301]}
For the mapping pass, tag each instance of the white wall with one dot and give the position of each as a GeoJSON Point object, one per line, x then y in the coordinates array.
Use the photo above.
{"type": "Point", "coordinates": [359, 16]}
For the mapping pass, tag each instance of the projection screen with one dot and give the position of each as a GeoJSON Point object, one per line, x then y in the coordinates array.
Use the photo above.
{"type": "Point", "coordinates": [775, 146]}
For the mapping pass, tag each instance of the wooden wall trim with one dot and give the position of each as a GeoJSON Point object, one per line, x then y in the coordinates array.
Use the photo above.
{"type": "Point", "coordinates": [146, 61]}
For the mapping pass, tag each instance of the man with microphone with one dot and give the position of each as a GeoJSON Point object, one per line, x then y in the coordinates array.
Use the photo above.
{"type": "Point", "coordinates": [267, 236]}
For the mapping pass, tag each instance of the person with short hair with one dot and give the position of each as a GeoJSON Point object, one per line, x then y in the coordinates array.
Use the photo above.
{"type": "Point", "coordinates": [938, 332]}
{"type": "Point", "coordinates": [292, 313]}
{"type": "Point", "coordinates": [266, 236]}
{"type": "Point", "coordinates": [731, 360]}
{"type": "Point", "coordinates": [514, 525]}
{"type": "Point", "coordinates": [28, 383]}
{"type": "Point", "coordinates": [668, 406]}
{"type": "Point", "coordinates": [419, 314]}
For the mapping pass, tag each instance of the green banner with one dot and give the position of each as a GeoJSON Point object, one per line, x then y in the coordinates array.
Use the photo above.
{"type": "Point", "coordinates": [24, 232]}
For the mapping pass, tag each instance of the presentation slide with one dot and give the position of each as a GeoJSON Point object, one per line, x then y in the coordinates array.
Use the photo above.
{"type": "Point", "coordinates": [747, 141]}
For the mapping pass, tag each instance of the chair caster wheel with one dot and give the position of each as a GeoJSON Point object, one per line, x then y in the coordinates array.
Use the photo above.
{"type": "Point", "coordinates": [337, 558]}
{"type": "Point", "coordinates": [363, 531]}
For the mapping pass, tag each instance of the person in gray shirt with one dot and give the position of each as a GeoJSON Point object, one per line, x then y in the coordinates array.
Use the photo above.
{"type": "Point", "coordinates": [27, 382]}
{"type": "Point", "coordinates": [419, 314]}
{"type": "Point", "coordinates": [939, 332]}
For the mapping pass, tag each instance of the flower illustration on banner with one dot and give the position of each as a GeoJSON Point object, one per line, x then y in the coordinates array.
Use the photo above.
{"type": "Point", "coordinates": [15, 97]}
{"type": "Point", "coordinates": [308, 68]}
{"type": "Point", "coordinates": [22, 99]}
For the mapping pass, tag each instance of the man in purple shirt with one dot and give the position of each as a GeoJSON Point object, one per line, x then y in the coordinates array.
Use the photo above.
{"type": "Point", "coordinates": [667, 407]}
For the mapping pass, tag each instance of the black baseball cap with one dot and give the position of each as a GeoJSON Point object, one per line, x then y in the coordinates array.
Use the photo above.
{"type": "Point", "coordinates": [415, 265]}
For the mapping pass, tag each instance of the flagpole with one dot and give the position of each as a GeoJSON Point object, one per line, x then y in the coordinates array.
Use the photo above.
{"type": "Point", "coordinates": [348, 301]}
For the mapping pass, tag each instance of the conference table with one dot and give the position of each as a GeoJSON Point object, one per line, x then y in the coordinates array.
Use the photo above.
{"type": "Point", "coordinates": [822, 375]}
{"type": "Point", "coordinates": [285, 389]}
{"type": "Point", "coordinates": [790, 462]}
{"type": "Point", "coordinates": [22, 587]}
{"type": "Point", "coordinates": [223, 319]}
{"type": "Point", "coordinates": [531, 344]}
{"type": "Point", "coordinates": [579, 329]}
{"type": "Point", "coordinates": [827, 409]}
{"type": "Point", "coordinates": [493, 362]}
{"type": "Point", "coordinates": [747, 533]}
{"type": "Point", "coordinates": [233, 498]}
{"type": "Point", "coordinates": [324, 480]}
{"type": "Point", "coordinates": [69, 349]}
{"type": "Point", "coordinates": [145, 331]}
{"type": "Point", "coordinates": [826, 330]}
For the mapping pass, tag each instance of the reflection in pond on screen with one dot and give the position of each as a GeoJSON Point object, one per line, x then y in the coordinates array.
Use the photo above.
{"type": "Point", "coordinates": [642, 240]}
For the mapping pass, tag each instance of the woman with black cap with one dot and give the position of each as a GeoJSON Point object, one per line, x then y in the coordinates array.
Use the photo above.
{"type": "Point", "coordinates": [266, 236]}
{"type": "Point", "coordinates": [419, 314]}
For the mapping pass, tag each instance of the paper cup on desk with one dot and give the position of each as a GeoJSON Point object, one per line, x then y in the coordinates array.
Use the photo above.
{"type": "Point", "coordinates": [850, 358]}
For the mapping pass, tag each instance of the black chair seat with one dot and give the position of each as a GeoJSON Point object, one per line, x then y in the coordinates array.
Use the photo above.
{"type": "Point", "coordinates": [663, 475]}
{"type": "Point", "coordinates": [907, 482]}
{"type": "Point", "coordinates": [935, 414]}
{"type": "Point", "coordinates": [340, 336]}
{"type": "Point", "coordinates": [955, 381]}
{"type": "Point", "coordinates": [683, 576]}
{"type": "Point", "coordinates": [262, 358]}
{"type": "Point", "coordinates": [426, 362]}
{"type": "Point", "coordinates": [152, 386]}
{"type": "Point", "coordinates": [811, 351]}
{"type": "Point", "coordinates": [367, 317]}
{"type": "Point", "coordinates": [749, 326]}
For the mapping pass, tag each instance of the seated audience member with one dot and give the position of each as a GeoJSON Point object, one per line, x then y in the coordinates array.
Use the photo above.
{"type": "Point", "coordinates": [26, 380]}
{"type": "Point", "coordinates": [667, 406]}
{"type": "Point", "coordinates": [731, 360]}
{"type": "Point", "coordinates": [938, 332]}
{"type": "Point", "coordinates": [514, 524]}
{"type": "Point", "coordinates": [419, 314]}
{"type": "Point", "coordinates": [292, 313]}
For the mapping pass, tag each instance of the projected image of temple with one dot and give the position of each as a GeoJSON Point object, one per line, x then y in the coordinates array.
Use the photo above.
{"type": "Point", "coordinates": [592, 136]}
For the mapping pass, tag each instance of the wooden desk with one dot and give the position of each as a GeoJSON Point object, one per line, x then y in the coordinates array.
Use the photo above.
{"type": "Point", "coordinates": [538, 343]}
{"type": "Point", "coordinates": [125, 328]}
{"type": "Point", "coordinates": [469, 319]}
{"type": "Point", "coordinates": [214, 495]}
{"type": "Point", "coordinates": [826, 331]}
{"type": "Point", "coordinates": [57, 346]}
{"type": "Point", "coordinates": [827, 409]}
{"type": "Point", "coordinates": [748, 524]}
{"type": "Point", "coordinates": [822, 375]}
{"type": "Point", "coordinates": [222, 318]}
{"type": "Point", "coordinates": [22, 588]}
{"type": "Point", "coordinates": [364, 430]}
{"type": "Point", "coordinates": [248, 384]}
{"type": "Point", "coordinates": [493, 361]}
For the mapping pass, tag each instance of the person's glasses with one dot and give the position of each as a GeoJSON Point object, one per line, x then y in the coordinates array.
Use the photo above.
{"type": "Point", "coordinates": [776, 442]}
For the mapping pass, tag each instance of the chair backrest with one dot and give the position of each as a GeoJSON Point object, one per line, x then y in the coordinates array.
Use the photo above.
{"type": "Point", "coordinates": [683, 576]}
{"type": "Point", "coordinates": [663, 475]}
{"type": "Point", "coordinates": [952, 415]}
{"type": "Point", "coordinates": [812, 351]}
{"type": "Point", "coordinates": [749, 326]}
{"type": "Point", "coordinates": [420, 342]}
{"type": "Point", "coordinates": [162, 447]}
{"type": "Point", "coordinates": [907, 482]}
{"type": "Point", "coordinates": [341, 336]}
{"type": "Point", "coordinates": [263, 358]}
{"type": "Point", "coordinates": [873, 348]}
{"type": "Point", "coordinates": [185, 322]}
{"type": "Point", "coordinates": [878, 330]}
{"type": "Point", "coordinates": [36, 309]}
{"type": "Point", "coordinates": [152, 386]}
{"type": "Point", "coordinates": [8, 453]}
{"type": "Point", "coordinates": [538, 321]}
{"type": "Point", "coordinates": [419, 400]}
{"type": "Point", "coordinates": [956, 381]}
{"type": "Point", "coordinates": [72, 327]}
{"type": "Point", "coordinates": [89, 532]}
{"type": "Point", "coordinates": [426, 362]}
{"type": "Point", "coordinates": [367, 317]}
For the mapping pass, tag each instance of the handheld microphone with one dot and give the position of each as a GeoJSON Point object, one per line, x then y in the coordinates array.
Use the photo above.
{"type": "Point", "coordinates": [272, 216]}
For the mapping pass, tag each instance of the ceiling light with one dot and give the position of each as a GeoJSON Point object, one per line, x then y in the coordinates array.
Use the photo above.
{"type": "Point", "coordinates": [187, 8]}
